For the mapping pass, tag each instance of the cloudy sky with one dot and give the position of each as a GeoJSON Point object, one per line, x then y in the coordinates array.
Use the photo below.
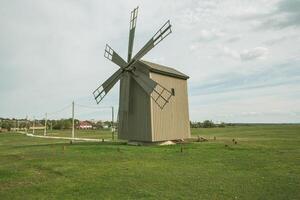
{"type": "Point", "coordinates": [242, 56]}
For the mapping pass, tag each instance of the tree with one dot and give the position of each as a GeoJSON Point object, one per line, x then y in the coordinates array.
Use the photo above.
{"type": "Point", "coordinates": [208, 124]}
{"type": "Point", "coordinates": [222, 125]}
{"type": "Point", "coordinates": [99, 125]}
{"type": "Point", "coordinates": [7, 124]}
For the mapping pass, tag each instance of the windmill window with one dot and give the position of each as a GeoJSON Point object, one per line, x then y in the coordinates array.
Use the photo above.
{"type": "Point", "coordinates": [173, 91]}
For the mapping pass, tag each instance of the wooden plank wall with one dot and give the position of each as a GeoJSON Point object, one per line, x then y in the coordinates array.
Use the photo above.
{"type": "Point", "coordinates": [139, 114]}
{"type": "Point", "coordinates": [136, 124]}
{"type": "Point", "coordinates": [122, 128]}
{"type": "Point", "coordinates": [172, 122]}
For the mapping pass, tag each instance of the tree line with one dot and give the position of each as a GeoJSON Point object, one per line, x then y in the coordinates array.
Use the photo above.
{"type": "Point", "coordinates": [209, 124]}
{"type": "Point", "coordinates": [60, 124]}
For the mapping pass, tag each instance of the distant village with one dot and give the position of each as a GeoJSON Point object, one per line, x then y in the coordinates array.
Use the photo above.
{"type": "Point", "coordinates": [7, 124]}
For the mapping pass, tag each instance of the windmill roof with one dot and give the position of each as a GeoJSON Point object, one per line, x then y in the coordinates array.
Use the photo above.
{"type": "Point", "coordinates": [160, 69]}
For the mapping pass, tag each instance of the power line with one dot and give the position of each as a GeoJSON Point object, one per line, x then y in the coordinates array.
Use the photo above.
{"type": "Point", "coordinates": [88, 113]}
{"type": "Point", "coordinates": [60, 110]}
{"type": "Point", "coordinates": [93, 107]}
{"type": "Point", "coordinates": [51, 114]}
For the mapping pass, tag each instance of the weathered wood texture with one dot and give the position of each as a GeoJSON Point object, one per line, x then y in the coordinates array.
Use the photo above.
{"type": "Point", "coordinates": [136, 123]}
{"type": "Point", "coordinates": [145, 121]}
{"type": "Point", "coordinates": [172, 122]}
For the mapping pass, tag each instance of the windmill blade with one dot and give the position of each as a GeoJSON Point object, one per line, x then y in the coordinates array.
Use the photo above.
{"type": "Point", "coordinates": [133, 18]}
{"type": "Point", "coordinates": [145, 82]}
{"type": "Point", "coordinates": [158, 93]}
{"type": "Point", "coordinates": [125, 89]}
{"type": "Point", "coordinates": [110, 54]}
{"type": "Point", "coordinates": [103, 89]}
{"type": "Point", "coordinates": [163, 32]}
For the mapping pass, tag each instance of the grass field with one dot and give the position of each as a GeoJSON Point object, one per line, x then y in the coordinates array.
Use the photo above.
{"type": "Point", "coordinates": [264, 164]}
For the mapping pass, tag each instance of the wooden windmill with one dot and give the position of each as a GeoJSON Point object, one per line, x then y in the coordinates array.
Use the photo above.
{"type": "Point", "coordinates": [153, 103]}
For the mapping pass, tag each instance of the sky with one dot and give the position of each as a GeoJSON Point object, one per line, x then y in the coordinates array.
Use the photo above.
{"type": "Point", "coordinates": [242, 56]}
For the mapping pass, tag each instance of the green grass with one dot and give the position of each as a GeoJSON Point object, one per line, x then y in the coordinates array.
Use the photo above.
{"type": "Point", "coordinates": [264, 164]}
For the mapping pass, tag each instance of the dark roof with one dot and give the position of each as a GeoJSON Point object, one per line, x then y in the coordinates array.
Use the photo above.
{"type": "Point", "coordinates": [160, 69]}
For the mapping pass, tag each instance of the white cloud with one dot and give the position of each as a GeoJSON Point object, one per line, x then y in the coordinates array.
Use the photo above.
{"type": "Point", "coordinates": [230, 52]}
{"type": "Point", "coordinates": [246, 54]}
{"type": "Point", "coordinates": [208, 35]}
{"type": "Point", "coordinates": [234, 39]}
{"type": "Point", "coordinates": [255, 53]}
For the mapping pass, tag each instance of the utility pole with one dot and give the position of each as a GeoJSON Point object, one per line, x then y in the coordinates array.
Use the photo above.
{"type": "Point", "coordinates": [45, 129]}
{"type": "Point", "coordinates": [73, 134]}
{"type": "Point", "coordinates": [112, 123]}
{"type": "Point", "coordinates": [17, 124]}
{"type": "Point", "coordinates": [26, 124]}
{"type": "Point", "coordinates": [33, 126]}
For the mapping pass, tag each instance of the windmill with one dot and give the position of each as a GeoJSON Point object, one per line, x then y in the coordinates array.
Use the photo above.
{"type": "Point", "coordinates": [139, 90]}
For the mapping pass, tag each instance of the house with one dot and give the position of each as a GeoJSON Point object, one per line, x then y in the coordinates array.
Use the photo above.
{"type": "Point", "coordinates": [85, 125]}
